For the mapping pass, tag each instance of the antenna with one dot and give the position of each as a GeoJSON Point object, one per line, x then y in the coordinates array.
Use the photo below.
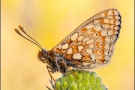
{"type": "Point", "coordinates": [31, 39]}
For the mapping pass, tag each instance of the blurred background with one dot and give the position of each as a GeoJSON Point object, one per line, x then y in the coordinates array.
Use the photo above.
{"type": "Point", "coordinates": [49, 21]}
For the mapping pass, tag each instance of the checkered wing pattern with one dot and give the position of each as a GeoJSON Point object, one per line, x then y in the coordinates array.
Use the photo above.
{"type": "Point", "coordinates": [92, 43]}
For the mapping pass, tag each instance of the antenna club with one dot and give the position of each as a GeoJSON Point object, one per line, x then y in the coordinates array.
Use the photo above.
{"type": "Point", "coordinates": [29, 39]}
{"type": "Point", "coordinates": [20, 27]}
{"type": "Point", "coordinates": [15, 29]}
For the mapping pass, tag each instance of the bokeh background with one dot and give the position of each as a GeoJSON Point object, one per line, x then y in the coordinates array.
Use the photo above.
{"type": "Point", "coordinates": [49, 21]}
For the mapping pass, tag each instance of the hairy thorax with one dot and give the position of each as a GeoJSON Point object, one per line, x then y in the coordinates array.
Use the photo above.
{"type": "Point", "coordinates": [55, 61]}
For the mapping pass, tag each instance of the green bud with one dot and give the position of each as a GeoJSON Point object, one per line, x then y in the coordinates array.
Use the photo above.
{"type": "Point", "coordinates": [84, 81]}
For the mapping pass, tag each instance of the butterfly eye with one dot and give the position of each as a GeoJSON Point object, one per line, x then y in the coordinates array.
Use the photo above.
{"type": "Point", "coordinates": [41, 57]}
{"type": "Point", "coordinates": [44, 54]}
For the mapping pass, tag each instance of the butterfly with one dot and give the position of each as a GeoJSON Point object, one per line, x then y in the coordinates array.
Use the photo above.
{"type": "Point", "coordinates": [89, 46]}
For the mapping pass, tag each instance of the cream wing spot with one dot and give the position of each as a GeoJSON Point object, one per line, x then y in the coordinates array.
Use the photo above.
{"type": "Point", "coordinates": [116, 28]}
{"type": "Point", "coordinates": [107, 58]}
{"type": "Point", "coordinates": [110, 12]}
{"type": "Point", "coordinates": [113, 38]}
{"type": "Point", "coordinates": [110, 53]}
{"type": "Point", "coordinates": [90, 41]}
{"type": "Point", "coordinates": [117, 17]}
{"type": "Point", "coordinates": [93, 65]}
{"type": "Point", "coordinates": [112, 46]}
{"type": "Point", "coordinates": [104, 33]}
{"type": "Point", "coordinates": [65, 46]}
{"type": "Point", "coordinates": [107, 45]}
{"type": "Point", "coordinates": [116, 12]}
{"type": "Point", "coordinates": [89, 51]}
{"type": "Point", "coordinates": [106, 20]}
{"type": "Point", "coordinates": [80, 38]}
{"type": "Point", "coordinates": [117, 22]}
{"type": "Point", "coordinates": [108, 39]}
{"type": "Point", "coordinates": [96, 21]}
{"type": "Point", "coordinates": [110, 17]}
{"type": "Point", "coordinates": [77, 56]}
{"type": "Point", "coordinates": [86, 39]}
{"type": "Point", "coordinates": [91, 46]}
{"type": "Point", "coordinates": [110, 32]}
{"type": "Point", "coordinates": [105, 61]}
{"type": "Point", "coordinates": [59, 46]}
{"type": "Point", "coordinates": [112, 21]}
{"type": "Point", "coordinates": [93, 57]}
{"type": "Point", "coordinates": [98, 27]}
{"type": "Point", "coordinates": [103, 15]}
{"type": "Point", "coordinates": [74, 37]}
{"type": "Point", "coordinates": [80, 48]}
{"type": "Point", "coordinates": [86, 64]}
{"type": "Point", "coordinates": [89, 26]}
{"type": "Point", "coordinates": [106, 52]}
{"type": "Point", "coordinates": [70, 51]}
{"type": "Point", "coordinates": [106, 26]}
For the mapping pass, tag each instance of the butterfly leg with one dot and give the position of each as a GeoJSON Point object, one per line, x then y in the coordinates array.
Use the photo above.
{"type": "Point", "coordinates": [48, 88]}
{"type": "Point", "coordinates": [63, 63]}
{"type": "Point", "coordinates": [48, 68]}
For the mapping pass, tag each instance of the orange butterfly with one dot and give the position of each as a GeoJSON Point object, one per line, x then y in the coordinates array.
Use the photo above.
{"type": "Point", "coordinates": [89, 46]}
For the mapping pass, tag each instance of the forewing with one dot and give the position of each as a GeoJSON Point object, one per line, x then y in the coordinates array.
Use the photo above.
{"type": "Point", "coordinates": [92, 43]}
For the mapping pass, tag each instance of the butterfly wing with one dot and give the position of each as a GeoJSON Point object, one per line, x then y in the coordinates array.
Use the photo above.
{"type": "Point", "coordinates": [92, 43]}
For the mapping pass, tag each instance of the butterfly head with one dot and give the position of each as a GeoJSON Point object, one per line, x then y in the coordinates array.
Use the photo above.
{"type": "Point", "coordinates": [43, 55]}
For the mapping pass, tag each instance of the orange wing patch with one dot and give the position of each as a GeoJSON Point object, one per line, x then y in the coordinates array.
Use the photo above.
{"type": "Point", "coordinates": [69, 56]}
{"type": "Point", "coordinates": [60, 51]}
{"type": "Point", "coordinates": [100, 58]}
{"type": "Point", "coordinates": [69, 41]}
{"type": "Point", "coordinates": [75, 50]}
{"type": "Point", "coordinates": [99, 44]}
{"type": "Point", "coordinates": [98, 52]}
{"type": "Point", "coordinates": [85, 58]}
{"type": "Point", "coordinates": [84, 30]}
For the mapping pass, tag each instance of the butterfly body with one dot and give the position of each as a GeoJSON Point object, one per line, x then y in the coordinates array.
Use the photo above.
{"type": "Point", "coordinates": [55, 61]}
{"type": "Point", "coordinates": [89, 46]}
